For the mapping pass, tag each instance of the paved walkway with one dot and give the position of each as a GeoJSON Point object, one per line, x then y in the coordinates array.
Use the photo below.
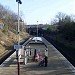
{"type": "Point", "coordinates": [57, 65]}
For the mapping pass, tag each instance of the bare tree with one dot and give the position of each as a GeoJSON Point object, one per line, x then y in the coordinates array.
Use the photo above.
{"type": "Point", "coordinates": [60, 16]}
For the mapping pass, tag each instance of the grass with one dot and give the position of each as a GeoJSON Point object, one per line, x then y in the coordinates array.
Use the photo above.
{"type": "Point", "coordinates": [9, 38]}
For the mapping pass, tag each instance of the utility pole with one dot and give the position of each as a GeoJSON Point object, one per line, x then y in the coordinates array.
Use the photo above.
{"type": "Point", "coordinates": [37, 28]}
{"type": "Point", "coordinates": [18, 39]}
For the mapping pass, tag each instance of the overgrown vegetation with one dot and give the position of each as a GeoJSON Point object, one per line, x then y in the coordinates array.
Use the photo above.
{"type": "Point", "coordinates": [62, 30]}
{"type": "Point", "coordinates": [64, 25]}
{"type": "Point", "coordinates": [9, 18]}
{"type": "Point", "coordinates": [8, 33]}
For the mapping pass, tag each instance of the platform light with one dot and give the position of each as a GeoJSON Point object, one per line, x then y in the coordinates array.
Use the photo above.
{"type": "Point", "coordinates": [18, 39]}
{"type": "Point", "coordinates": [19, 1]}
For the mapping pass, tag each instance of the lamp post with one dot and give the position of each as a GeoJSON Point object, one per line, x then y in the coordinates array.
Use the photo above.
{"type": "Point", "coordinates": [37, 28]}
{"type": "Point", "coordinates": [18, 39]}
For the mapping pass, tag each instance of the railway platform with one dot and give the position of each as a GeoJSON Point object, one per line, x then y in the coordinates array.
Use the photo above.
{"type": "Point", "coordinates": [57, 65]}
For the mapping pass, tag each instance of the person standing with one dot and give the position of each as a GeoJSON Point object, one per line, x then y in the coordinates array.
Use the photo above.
{"type": "Point", "coordinates": [34, 54]}
{"type": "Point", "coordinates": [46, 60]}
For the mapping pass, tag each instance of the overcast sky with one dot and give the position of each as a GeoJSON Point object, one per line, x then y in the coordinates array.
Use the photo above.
{"type": "Point", "coordinates": [42, 11]}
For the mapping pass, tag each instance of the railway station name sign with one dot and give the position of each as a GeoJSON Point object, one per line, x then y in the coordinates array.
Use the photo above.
{"type": "Point", "coordinates": [17, 47]}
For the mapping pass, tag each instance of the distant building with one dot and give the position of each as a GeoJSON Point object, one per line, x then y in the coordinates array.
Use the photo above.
{"type": "Point", "coordinates": [1, 24]}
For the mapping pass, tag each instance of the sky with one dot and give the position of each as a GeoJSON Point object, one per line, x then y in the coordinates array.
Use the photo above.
{"type": "Point", "coordinates": [42, 11]}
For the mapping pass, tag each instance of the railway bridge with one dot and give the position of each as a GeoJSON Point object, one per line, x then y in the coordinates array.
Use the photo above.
{"type": "Point", "coordinates": [32, 29]}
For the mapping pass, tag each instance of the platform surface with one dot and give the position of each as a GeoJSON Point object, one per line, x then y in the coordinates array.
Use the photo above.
{"type": "Point", "coordinates": [57, 65]}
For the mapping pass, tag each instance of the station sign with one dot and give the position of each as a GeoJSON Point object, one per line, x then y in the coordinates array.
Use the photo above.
{"type": "Point", "coordinates": [17, 47]}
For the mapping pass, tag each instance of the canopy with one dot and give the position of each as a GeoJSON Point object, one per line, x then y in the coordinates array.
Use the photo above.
{"type": "Point", "coordinates": [37, 38]}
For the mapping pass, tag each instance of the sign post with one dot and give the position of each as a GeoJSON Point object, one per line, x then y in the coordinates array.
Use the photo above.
{"type": "Point", "coordinates": [18, 39]}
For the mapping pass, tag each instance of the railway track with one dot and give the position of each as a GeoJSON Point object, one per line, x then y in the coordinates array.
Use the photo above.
{"type": "Point", "coordinates": [5, 55]}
